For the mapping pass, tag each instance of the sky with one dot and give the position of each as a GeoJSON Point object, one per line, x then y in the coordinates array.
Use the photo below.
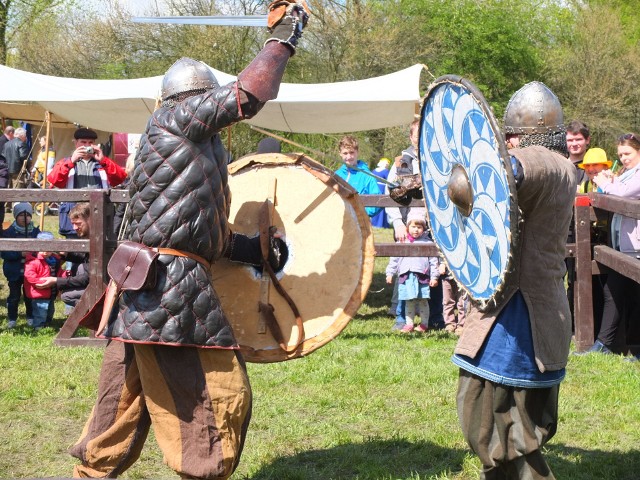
{"type": "Point", "coordinates": [140, 7]}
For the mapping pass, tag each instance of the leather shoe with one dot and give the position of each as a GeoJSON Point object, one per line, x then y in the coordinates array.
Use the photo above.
{"type": "Point", "coordinates": [597, 347]}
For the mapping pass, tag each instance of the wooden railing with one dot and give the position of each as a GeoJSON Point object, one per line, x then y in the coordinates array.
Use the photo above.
{"type": "Point", "coordinates": [589, 260]}
{"type": "Point", "coordinates": [100, 245]}
{"type": "Point", "coordinates": [605, 258]}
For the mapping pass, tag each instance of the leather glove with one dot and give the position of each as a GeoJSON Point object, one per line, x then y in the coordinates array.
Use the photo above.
{"type": "Point", "coordinates": [410, 187]}
{"type": "Point", "coordinates": [285, 22]}
{"type": "Point", "coordinates": [400, 195]}
{"type": "Point", "coordinates": [247, 250]}
{"type": "Point", "coordinates": [278, 252]}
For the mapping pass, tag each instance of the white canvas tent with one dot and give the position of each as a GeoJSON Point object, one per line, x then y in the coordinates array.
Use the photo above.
{"type": "Point", "coordinates": [125, 105]}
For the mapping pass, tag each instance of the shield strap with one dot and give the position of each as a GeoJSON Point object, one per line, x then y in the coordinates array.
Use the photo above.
{"type": "Point", "coordinates": [267, 312]}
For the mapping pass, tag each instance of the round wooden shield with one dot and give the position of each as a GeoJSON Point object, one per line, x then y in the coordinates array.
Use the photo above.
{"type": "Point", "coordinates": [469, 188]}
{"type": "Point", "coordinates": [330, 255]}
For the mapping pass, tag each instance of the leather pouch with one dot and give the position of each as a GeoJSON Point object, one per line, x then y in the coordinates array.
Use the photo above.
{"type": "Point", "coordinates": [132, 266]}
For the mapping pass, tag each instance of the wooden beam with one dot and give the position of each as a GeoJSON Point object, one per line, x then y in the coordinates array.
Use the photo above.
{"type": "Point", "coordinates": [598, 268]}
{"type": "Point", "coordinates": [119, 196]}
{"type": "Point", "coordinates": [80, 342]}
{"type": "Point", "coordinates": [72, 322]}
{"type": "Point", "coordinates": [101, 222]}
{"type": "Point", "coordinates": [406, 250]}
{"type": "Point", "coordinates": [33, 245]}
{"type": "Point", "coordinates": [42, 195]}
{"type": "Point", "coordinates": [613, 203]}
{"type": "Point", "coordinates": [626, 265]}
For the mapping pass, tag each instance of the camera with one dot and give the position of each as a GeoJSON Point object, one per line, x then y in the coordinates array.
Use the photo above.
{"type": "Point", "coordinates": [89, 150]}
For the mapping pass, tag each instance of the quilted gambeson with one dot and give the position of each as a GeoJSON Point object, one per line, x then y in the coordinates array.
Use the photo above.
{"type": "Point", "coordinates": [180, 200]}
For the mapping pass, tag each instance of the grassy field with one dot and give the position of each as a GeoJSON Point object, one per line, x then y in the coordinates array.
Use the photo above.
{"type": "Point", "coordinates": [373, 404]}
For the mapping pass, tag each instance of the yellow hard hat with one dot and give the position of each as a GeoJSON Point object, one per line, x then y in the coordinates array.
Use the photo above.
{"type": "Point", "coordinates": [595, 156]}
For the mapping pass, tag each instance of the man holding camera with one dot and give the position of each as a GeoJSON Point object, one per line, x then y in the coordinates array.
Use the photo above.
{"type": "Point", "coordinates": [87, 167]}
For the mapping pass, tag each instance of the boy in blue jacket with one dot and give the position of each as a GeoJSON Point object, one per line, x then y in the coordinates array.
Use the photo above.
{"type": "Point", "coordinates": [364, 184]}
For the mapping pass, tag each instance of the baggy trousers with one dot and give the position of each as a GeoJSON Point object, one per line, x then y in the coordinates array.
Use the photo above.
{"type": "Point", "coordinates": [197, 399]}
{"type": "Point", "coordinates": [506, 426]}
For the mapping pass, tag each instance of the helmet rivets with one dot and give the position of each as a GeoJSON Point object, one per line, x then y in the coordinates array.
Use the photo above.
{"type": "Point", "coordinates": [185, 75]}
{"type": "Point", "coordinates": [533, 109]}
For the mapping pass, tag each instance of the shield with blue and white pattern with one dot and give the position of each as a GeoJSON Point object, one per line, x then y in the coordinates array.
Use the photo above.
{"type": "Point", "coordinates": [458, 129]}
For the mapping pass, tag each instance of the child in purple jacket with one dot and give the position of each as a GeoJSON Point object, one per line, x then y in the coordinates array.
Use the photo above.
{"type": "Point", "coordinates": [415, 274]}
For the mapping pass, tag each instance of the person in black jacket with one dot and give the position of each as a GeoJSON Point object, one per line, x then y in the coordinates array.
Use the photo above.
{"type": "Point", "coordinates": [4, 171]}
{"type": "Point", "coordinates": [5, 137]}
{"type": "Point", "coordinates": [72, 286]}
{"type": "Point", "coordinates": [173, 360]}
{"type": "Point", "coordinates": [16, 153]}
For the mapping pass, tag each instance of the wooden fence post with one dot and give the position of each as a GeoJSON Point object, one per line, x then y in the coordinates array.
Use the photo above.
{"type": "Point", "coordinates": [583, 293]}
{"type": "Point", "coordinates": [101, 221]}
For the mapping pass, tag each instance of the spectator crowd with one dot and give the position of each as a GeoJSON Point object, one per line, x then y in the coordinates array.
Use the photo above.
{"type": "Point", "coordinates": [423, 288]}
{"type": "Point", "coordinates": [39, 278]}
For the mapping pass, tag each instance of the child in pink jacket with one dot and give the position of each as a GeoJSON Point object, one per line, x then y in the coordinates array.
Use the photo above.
{"type": "Point", "coordinates": [45, 264]}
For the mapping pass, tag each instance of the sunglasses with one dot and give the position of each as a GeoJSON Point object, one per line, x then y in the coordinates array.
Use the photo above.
{"type": "Point", "coordinates": [628, 136]}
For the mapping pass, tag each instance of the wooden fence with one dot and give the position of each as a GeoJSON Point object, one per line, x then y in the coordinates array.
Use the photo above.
{"type": "Point", "coordinates": [100, 245]}
{"type": "Point", "coordinates": [589, 259]}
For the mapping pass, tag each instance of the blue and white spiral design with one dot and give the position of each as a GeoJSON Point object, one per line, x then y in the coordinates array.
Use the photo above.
{"type": "Point", "coordinates": [454, 129]}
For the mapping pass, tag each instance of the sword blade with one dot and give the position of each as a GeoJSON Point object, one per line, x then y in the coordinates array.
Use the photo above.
{"type": "Point", "coordinates": [218, 20]}
{"type": "Point", "coordinates": [367, 172]}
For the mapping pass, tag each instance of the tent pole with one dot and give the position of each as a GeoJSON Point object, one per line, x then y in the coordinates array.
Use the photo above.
{"type": "Point", "coordinates": [290, 142]}
{"type": "Point", "coordinates": [47, 119]}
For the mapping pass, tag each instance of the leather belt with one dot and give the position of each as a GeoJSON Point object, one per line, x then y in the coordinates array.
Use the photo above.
{"type": "Point", "coordinates": [180, 253]}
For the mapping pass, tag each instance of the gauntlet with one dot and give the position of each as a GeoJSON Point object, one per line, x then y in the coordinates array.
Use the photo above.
{"type": "Point", "coordinates": [410, 187]}
{"type": "Point", "coordinates": [285, 22]}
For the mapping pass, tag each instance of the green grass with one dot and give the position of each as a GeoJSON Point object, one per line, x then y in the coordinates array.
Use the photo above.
{"type": "Point", "coordinates": [372, 404]}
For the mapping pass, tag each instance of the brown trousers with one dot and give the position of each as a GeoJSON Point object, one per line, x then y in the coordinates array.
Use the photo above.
{"type": "Point", "coordinates": [198, 401]}
{"type": "Point", "coordinates": [453, 297]}
{"type": "Point", "coordinates": [506, 426]}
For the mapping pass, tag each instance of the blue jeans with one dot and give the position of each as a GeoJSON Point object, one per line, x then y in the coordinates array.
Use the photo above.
{"type": "Point", "coordinates": [43, 309]}
{"type": "Point", "coordinates": [436, 318]}
{"type": "Point", "coordinates": [400, 309]}
{"type": "Point", "coordinates": [13, 300]}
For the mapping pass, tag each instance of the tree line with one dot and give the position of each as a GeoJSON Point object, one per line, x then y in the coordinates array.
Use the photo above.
{"type": "Point", "coordinates": [587, 52]}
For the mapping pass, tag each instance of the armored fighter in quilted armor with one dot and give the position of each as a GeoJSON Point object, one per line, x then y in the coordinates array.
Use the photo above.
{"type": "Point", "coordinates": [172, 360]}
